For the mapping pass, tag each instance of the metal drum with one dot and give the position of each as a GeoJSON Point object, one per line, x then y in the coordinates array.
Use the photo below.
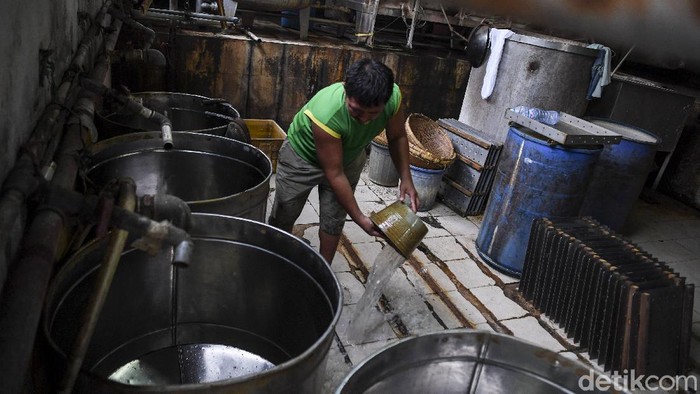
{"type": "Point", "coordinates": [535, 178]}
{"type": "Point", "coordinates": [381, 168]}
{"type": "Point", "coordinates": [255, 311]}
{"type": "Point", "coordinates": [187, 112]}
{"type": "Point", "coordinates": [620, 174]}
{"type": "Point", "coordinates": [534, 71]}
{"type": "Point", "coordinates": [467, 361]}
{"type": "Point", "coordinates": [212, 174]}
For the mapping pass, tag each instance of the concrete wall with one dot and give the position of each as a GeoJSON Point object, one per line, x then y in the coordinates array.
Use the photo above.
{"type": "Point", "coordinates": [27, 29]}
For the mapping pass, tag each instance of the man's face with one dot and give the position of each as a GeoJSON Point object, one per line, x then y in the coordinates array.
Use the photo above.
{"type": "Point", "coordinates": [361, 113]}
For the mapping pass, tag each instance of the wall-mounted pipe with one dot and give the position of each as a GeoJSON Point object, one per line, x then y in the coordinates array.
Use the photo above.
{"type": "Point", "coordinates": [165, 206]}
{"type": "Point", "coordinates": [38, 153]}
{"type": "Point", "coordinates": [146, 56]}
{"type": "Point", "coordinates": [183, 15]}
{"type": "Point", "coordinates": [27, 281]}
{"type": "Point", "coordinates": [134, 107]}
{"type": "Point", "coordinates": [274, 5]}
{"type": "Point", "coordinates": [154, 234]}
{"type": "Point", "coordinates": [132, 23]}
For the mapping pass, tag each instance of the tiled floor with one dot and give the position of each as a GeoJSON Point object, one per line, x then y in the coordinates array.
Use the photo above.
{"type": "Point", "coordinates": [445, 285]}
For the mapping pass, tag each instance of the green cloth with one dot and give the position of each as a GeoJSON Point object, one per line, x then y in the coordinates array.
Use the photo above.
{"type": "Point", "coordinates": [328, 110]}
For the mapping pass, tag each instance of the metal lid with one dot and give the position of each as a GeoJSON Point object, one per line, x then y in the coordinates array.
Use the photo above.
{"type": "Point", "coordinates": [628, 132]}
{"type": "Point", "coordinates": [569, 130]}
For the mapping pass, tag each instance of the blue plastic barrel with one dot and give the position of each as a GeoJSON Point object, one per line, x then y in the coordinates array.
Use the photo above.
{"type": "Point", "coordinates": [535, 178]}
{"type": "Point", "coordinates": [620, 174]}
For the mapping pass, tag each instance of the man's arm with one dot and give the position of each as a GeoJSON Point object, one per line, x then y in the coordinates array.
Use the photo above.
{"type": "Point", "coordinates": [398, 148]}
{"type": "Point", "coordinates": [330, 156]}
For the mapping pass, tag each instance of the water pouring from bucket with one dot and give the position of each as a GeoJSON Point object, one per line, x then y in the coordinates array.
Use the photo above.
{"type": "Point", "coordinates": [404, 230]}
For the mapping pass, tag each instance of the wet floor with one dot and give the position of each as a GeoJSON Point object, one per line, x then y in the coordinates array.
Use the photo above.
{"type": "Point", "coordinates": [445, 285]}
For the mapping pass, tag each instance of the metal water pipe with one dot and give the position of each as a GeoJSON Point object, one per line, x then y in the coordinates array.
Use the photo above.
{"type": "Point", "coordinates": [105, 275]}
{"type": "Point", "coordinates": [129, 21]}
{"type": "Point", "coordinates": [19, 183]}
{"type": "Point", "coordinates": [134, 107]}
{"type": "Point", "coordinates": [185, 15]}
{"type": "Point", "coordinates": [145, 56]}
{"type": "Point", "coordinates": [27, 281]}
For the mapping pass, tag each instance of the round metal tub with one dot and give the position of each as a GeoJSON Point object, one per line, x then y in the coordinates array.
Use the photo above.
{"type": "Point", "coordinates": [212, 174]}
{"type": "Point", "coordinates": [187, 112]}
{"type": "Point", "coordinates": [255, 311]}
{"type": "Point", "coordinates": [466, 361]}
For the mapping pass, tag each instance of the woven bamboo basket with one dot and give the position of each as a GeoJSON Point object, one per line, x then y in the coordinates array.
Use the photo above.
{"type": "Point", "coordinates": [429, 145]}
{"type": "Point", "coordinates": [381, 138]}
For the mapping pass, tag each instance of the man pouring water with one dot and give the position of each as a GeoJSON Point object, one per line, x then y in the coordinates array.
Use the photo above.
{"type": "Point", "coordinates": [325, 147]}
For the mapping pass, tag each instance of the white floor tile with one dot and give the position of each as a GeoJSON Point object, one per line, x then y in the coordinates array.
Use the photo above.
{"type": "Point", "coordinates": [501, 306]}
{"type": "Point", "coordinates": [529, 329]}
{"type": "Point", "coordinates": [445, 248]}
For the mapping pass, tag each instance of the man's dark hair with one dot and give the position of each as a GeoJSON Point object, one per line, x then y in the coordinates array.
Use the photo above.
{"type": "Point", "coordinates": [370, 82]}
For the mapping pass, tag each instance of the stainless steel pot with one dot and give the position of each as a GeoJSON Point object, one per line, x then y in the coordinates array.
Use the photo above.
{"type": "Point", "coordinates": [212, 174]}
{"type": "Point", "coordinates": [254, 312]}
{"type": "Point", "coordinates": [187, 112]}
{"type": "Point", "coordinates": [466, 361]}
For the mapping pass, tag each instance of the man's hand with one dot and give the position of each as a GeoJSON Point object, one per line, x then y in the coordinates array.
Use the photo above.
{"type": "Point", "coordinates": [407, 189]}
{"type": "Point", "coordinates": [366, 224]}
{"type": "Point", "coordinates": [398, 147]}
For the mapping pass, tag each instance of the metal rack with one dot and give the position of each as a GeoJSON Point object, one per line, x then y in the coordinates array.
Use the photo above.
{"type": "Point", "coordinates": [569, 130]}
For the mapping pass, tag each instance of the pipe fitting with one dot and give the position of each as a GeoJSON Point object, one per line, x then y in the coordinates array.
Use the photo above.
{"type": "Point", "coordinates": [153, 234]}
{"type": "Point", "coordinates": [182, 255]}
{"type": "Point", "coordinates": [135, 108]}
{"type": "Point", "coordinates": [130, 22]}
{"type": "Point", "coordinates": [166, 207]}
{"type": "Point", "coordinates": [152, 57]}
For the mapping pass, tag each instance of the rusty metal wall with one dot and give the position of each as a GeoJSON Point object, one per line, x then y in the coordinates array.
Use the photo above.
{"type": "Point", "coordinates": [272, 79]}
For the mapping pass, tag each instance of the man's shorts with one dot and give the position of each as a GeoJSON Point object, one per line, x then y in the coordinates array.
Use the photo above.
{"type": "Point", "coordinates": [293, 183]}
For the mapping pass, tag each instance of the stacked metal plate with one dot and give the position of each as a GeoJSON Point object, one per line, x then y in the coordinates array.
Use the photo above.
{"type": "Point", "coordinates": [466, 183]}
{"type": "Point", "coordinates": [629, 310]}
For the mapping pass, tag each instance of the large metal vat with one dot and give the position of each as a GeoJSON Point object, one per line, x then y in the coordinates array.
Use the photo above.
{"type": "Point", "coordinates": [212, 174]}
{"type": "Point", "coordinates": [542, 72]}
{"type": "Point", "coordinates": [620, 174]}
{"type": "Point", "coordinates": [467, 361]}
{"type": "Point", "coordinates": [255, 311]}
{"type": "Point", "coordinates": [535, 178]}
{"type": "Point", "coordinates": [187, 112]}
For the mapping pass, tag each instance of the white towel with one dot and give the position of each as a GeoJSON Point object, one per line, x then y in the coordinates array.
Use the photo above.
{"type": "Point", "coordinates": [600, 72]}
{"type": "Point", "coordinates": [497, 38]}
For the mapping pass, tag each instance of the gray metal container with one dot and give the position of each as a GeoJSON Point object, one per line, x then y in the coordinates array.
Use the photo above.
{"type": "Point", "coordinates": [255, 311]}
{"type": "Point", "coordinates": [212, 174]}
{"type": "Point", "coordinates": [381, 168]}
{"type": "Point", "coordinates": [548, 73]}
{"type": "Point", "coordinates": [466, 361]}
{"type": "Point", "coordinates": [187, 112]}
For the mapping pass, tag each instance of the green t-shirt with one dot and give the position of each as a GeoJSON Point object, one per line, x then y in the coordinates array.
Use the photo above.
{"type": "Point", "coordinates": [327, 109]}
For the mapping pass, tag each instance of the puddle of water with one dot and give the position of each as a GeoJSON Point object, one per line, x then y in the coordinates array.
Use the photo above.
{"type": "Point", "coordinates": [362, 324]}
